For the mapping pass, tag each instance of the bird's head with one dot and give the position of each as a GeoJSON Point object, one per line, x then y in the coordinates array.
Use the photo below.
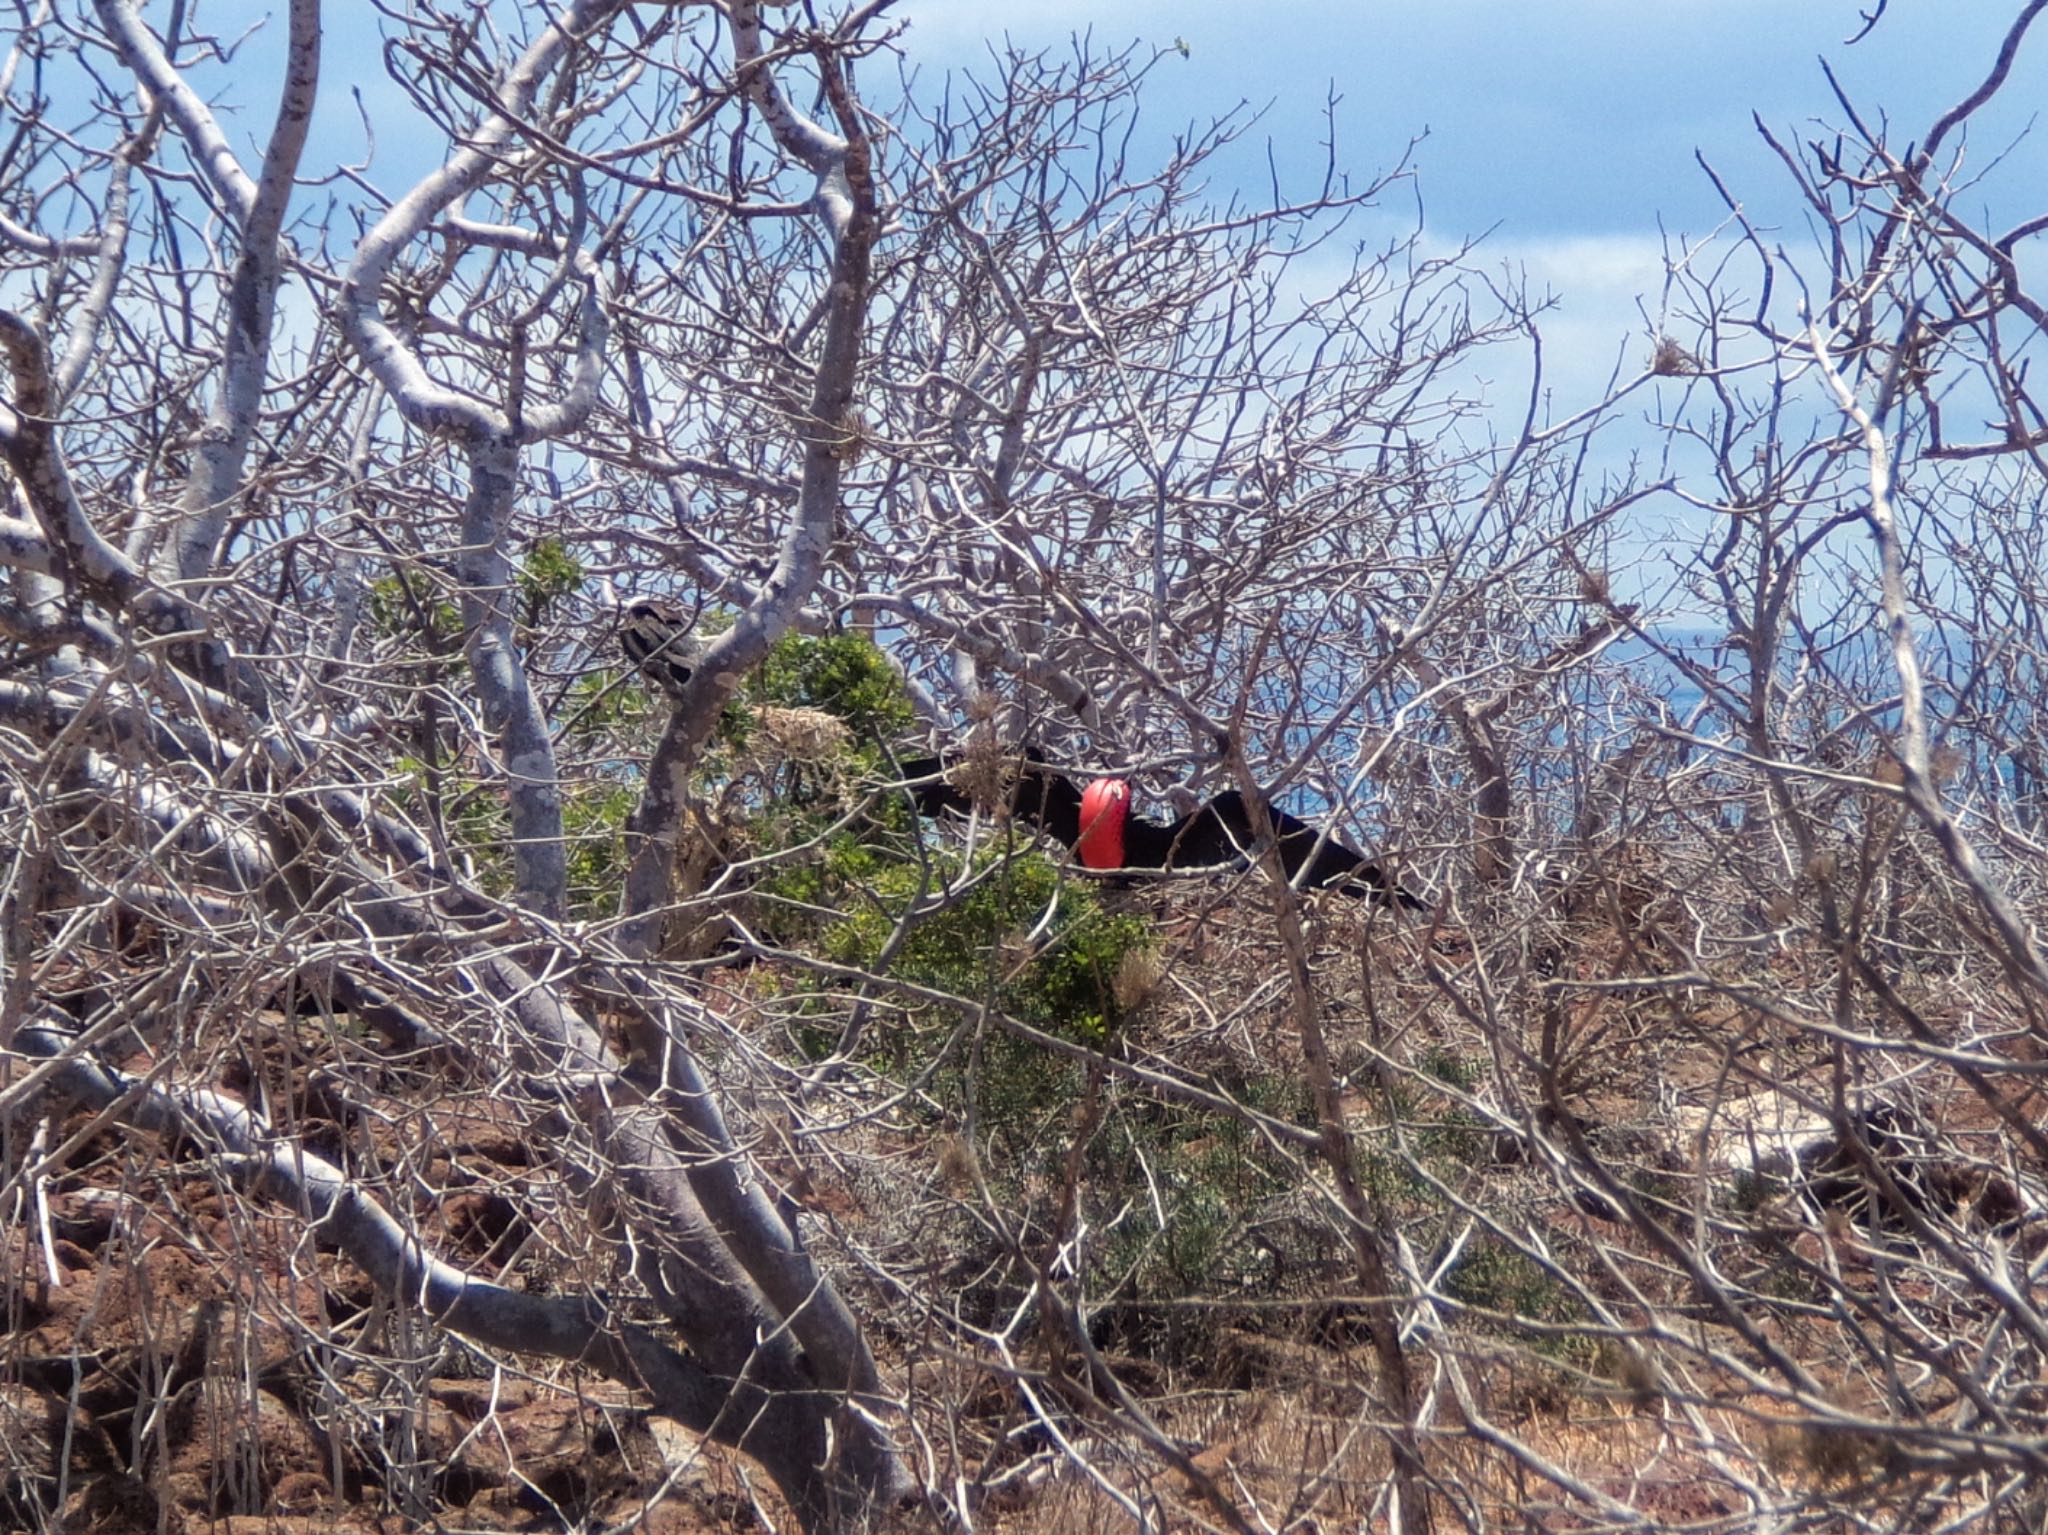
{"type": "Point", "coordinates": [655, 636]}
{"type": "Point", "coordinates": [1105, 806]}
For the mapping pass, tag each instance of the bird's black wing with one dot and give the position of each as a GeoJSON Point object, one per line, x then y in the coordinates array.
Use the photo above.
{"type": "Point", "coordinates": [1217, 836]}
{"type": "Point", "coordinates": [1213, 837]}
{"type": "Point", "coordinates": [935, 796]}
{"type": "Point", "coordinates": [1220, 832]}
{"type": "Point", "coordinates": [1039, 795]}
{"type": "Point", "coordinates": [1333, 866]}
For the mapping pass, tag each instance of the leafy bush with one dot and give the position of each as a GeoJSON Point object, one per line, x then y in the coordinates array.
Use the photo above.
{"type": "Point", "coordinates": [594, 820]}
{"type": "Point", "coordinates": [1037, 946]}
{"type": "Point", "coordinates": [844, 674]}
{"type": "Point", "coordinates": [410, 605]}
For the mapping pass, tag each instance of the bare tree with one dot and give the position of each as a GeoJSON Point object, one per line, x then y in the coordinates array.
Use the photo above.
{"type": "Point", "coordinates": [492, 340]}
{"type": "Point", "coordinates": [1777, 1049]}
{"type": "Point", "coordinates": [356, 900]}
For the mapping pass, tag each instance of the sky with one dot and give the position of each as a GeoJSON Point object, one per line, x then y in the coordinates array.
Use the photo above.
{"type": "Point", "coordinates": [1563, 131]}
{"type": "Point", "coordinates": [1567, 134]}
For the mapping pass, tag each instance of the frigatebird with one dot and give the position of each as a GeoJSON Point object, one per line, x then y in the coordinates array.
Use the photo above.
{"type": "Point", "coordinates": [655, 636]}
{"type": "Point", "coordinates": [1098, 825]}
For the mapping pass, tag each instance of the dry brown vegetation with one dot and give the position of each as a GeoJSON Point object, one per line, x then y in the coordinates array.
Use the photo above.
{"type": "Point", "coordinates": [443, 1084]}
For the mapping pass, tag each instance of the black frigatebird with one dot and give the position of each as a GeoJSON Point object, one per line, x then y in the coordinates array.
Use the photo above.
{"type": "Point", "coordinates": [1098, 825]}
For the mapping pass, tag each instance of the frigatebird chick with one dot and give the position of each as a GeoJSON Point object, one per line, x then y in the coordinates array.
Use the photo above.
{"type": "Point", "coordinates": [655, 637]}
{"type": "Point", "coordinates": [1097, 824]}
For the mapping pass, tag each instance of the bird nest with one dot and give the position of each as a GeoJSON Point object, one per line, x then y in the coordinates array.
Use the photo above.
{"type": "Point", "coordinates": [803, 735]}
{"type": "Point", "coordinates": [986, 773]}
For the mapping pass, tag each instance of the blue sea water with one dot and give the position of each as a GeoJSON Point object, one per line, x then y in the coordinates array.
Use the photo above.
{"type": "Point", "coordinates": [1834, 701]}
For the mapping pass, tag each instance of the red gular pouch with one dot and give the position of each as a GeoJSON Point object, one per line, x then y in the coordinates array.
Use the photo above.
{"type": "Point", "coordinates": [1104, 808]}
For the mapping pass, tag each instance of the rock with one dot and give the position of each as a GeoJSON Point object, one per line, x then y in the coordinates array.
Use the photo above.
{"type": "Point", "coordinates": [1768, 1143]}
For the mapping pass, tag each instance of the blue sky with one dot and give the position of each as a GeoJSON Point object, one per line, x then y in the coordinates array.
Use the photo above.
{"type": "Point", "coordinates": [1566, 128]}
{"type": "Point", "coordinates": [1565, 131]}
{"type": "Point", "coordinates": [1562, 130]}
{"type": "Point", "coordinates": [1563, 117]}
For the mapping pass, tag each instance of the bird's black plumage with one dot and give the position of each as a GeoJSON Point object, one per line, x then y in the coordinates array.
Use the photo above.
{"type": "Point", "coordinates": [655, 637]}
{"type": "Point", "coordinates": [1218, 835]}
{"type": "Point", "coordinates": [1039, 794]}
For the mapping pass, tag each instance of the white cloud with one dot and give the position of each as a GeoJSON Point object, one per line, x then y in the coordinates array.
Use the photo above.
{"type": "Point", "coordinates": [1606, 263]}
{"type": "Point", "coordinates": [1603, 286]}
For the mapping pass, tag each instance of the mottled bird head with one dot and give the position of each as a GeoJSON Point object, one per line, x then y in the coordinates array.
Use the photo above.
{"type": "Point", "coordinates": [655, 636]}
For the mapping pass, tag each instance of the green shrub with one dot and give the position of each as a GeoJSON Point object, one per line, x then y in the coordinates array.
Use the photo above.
{"type": "Point", "coordinates": [1449, 1067]}
{"type": "Point", "coordinates": [410, 605]}
{"type": "Point", "coordinates": [994, 940]}
{"type": "Point", "coordinates": [1496, 1277]}
{"type": "Point", "coordinates": [1500, 1278]}
{"type": "Point", "coordinates": [594, 821]}
{"type": "Point", "coordinates": [604, 700]}
{"type": "Point", "coordinates": [844, 674]}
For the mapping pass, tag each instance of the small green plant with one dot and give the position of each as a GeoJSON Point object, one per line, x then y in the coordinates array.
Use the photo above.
{"type": "Point", "coordinates": [1456, 1136]}
{"type": "Point", "coordinates": [411, 605]}
{"type": "Point", "coordinates": [547, 575]}
{"type": "Point", "coordinates": [1751, 1191]}
{"type": "Point", "coordinates": [1210, 1171]}
{"type": "Point", "coordinates": [604, 700]}
{"type": "Point", "coordinates": [479, 824]}
{"type": "Point", "coordinates": [972, 946]}
{"type": "Point", "coordinates": [594, 821]}
{"type": "Point", "coordinates": [1039, 947]}
{"type": "Point", "coordinates": [1449, 1067]}
{"type": "Point", "coordinates": [844, 676]}
{"type": "Point", "coordinates": [1497, 1277]}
